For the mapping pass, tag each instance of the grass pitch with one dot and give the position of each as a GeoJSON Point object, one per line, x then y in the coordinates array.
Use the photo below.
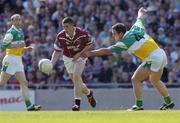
{"type": "Point", "coordinates": [111, 116]}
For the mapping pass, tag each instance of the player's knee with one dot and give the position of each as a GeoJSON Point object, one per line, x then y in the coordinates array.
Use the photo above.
{"type": "Point", "coordinates": [135, 80]}
{"type": "Point", "coordinates": [24, 83]}
{"type": "Point", "coordinates": [76, 77]}
{"type": "Point", "coordinates": [1, 82]}
{"type": "Point", "coordinates": [154, 82]}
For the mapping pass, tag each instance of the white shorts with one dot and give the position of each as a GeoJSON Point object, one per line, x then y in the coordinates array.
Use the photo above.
{"type": "Point", "coordinates": [75, 67]}
{"type": "Point", "coordinates": [156, 60]}
{"type": "Point", "coordinates": [12, 64]}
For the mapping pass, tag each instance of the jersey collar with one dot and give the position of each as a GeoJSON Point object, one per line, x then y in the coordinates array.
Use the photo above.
{"type": "Point", "coordinates": [74, 33]}
{"type": "Point", "coordinates": [125, 34]}
{"type": "Point", "coordinates": [15, 28]}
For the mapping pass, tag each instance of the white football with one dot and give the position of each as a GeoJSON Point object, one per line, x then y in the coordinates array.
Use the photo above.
{"type": "Point", "coordinates": [45, 65]}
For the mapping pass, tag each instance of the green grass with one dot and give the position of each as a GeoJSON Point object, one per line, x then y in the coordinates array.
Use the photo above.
{"type": "Point", "coordinates": [121, 116]}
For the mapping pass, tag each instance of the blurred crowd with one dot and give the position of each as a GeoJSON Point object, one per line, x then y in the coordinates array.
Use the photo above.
{"type": "Point", "coordinates": [42, 21]}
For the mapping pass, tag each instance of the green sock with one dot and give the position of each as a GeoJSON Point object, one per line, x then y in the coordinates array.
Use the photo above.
{"type": "Point", "coordinates": [28, 103]}
{"type": "Point", "coordinates": [139, 103]}
{"type": "Point", "coordinates": [167, 99]}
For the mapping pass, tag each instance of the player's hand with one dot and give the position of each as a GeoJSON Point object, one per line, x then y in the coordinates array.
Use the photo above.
{"type": "Point", "coordinates": [76, 56]}
{"type": "Point", "coordinates": [141, 12]}
{"type": "Point", "coordinates": [28, 49]}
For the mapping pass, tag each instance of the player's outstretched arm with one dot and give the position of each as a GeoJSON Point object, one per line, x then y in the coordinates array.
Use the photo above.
{"type": "Point", "coordinates": [142, 11]}
{"type": "Point", "coordinates": [55, 56]}
{"type": "Point", "coordinates": [7, 42]}
{"type": "Point", "coordinates": [82, 52]}
{"type": "Point", "coordinates": [17, 44]}
{"type": "Point", "coordinates": [28, 49]}
{"type": "Point", "coordinates": [101, 51]}
{"type": "Point", "coordinates": [5, 45]}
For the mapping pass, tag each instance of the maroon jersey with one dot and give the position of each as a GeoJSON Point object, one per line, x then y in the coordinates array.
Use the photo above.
{"type": "Point", "coordinates": [69, 46]}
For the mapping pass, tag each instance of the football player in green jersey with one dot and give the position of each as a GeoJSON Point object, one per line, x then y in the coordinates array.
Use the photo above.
{"type": "Point", "coordinates": [14, 45]}
{"type": "Point", "coordinates": [140, 44]}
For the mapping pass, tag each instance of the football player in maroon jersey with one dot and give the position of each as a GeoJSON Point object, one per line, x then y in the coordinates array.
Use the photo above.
{"type": "Point", "coordinates": [70, 44]}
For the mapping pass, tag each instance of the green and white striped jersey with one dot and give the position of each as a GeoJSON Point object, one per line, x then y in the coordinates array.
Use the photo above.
{"type": "Point", "coordinates": [136, 41]}
{"type": "Point", "coordinates": [13, 35]}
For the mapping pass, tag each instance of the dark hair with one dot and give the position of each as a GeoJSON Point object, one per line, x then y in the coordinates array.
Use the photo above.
{"type": "Point", "coordinates": [68, 20]}
{"type": "Point", "coordinates": [119, 27]}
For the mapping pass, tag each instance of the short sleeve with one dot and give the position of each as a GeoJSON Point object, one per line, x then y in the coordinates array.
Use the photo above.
{"type": "Point", "coordinates": [88, 39]}
{"type": "Point", "coordinates": [140, 23]}
{"type": "Point", "coordinates": [57, 45]}
{"type": "Point", "coordinates": [8, 38]}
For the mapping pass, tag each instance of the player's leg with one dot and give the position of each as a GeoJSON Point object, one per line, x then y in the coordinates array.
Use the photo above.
{"type": "Point", "coordinates": [77, 77]}
{"type": "Point", "coordinates": [158, 63]}
{"type": "Point", "coordinates": [161, 88]}
{"type": "Point", "coordinates": [7, 70]}
{"type": "Point", "coordinates": [140, 74]}
{"type": "Point", "coordinates": [69, 65]}
{"type": "Point", "coordinates": [4, 77]}
{"type": "Point", "coordinates": [20, 76]}
{"type": "Point", "coordinates": [77, 95]}
{"type": "Point", "coordinates": [158, 84]}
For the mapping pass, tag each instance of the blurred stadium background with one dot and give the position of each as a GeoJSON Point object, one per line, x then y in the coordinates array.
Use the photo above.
{"type": "Point", "coordinates": [109, 76]}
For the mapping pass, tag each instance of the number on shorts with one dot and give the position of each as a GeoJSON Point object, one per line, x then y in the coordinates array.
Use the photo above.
{"type": "Point", "coordinates": [5, 66]}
